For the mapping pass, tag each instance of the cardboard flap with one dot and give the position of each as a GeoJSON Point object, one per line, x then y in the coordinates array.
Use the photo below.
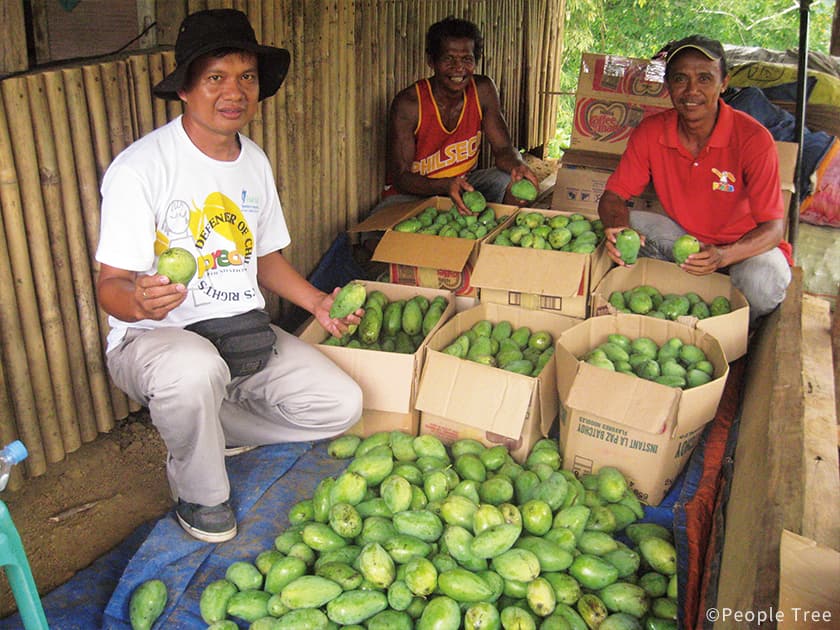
{"type": "Point", "coordinates": [385, 218]}
{"type": "Point", "coordinates": [809, 579]}
{"type": "Point", "coordinates": [787, 163]}
{"type": "Point", "coordinates": [627, 399]}
{"type": "Point", "coordinates": [501, 409]}
{"type": "Point", "coordinates": [548, 272]}
{"type": "Point", "coordinates": [424, 250]}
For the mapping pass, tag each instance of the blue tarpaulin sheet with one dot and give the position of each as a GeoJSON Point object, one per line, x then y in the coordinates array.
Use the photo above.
{"type": "Point", "coordinates": [265, 483]}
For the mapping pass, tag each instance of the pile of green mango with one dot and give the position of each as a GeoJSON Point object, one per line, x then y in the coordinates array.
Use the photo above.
{"type": "Point", "coordinates": [674, 363]}
{"type": "Point", "coordinates": [392, 325]}
{"type": "Point", "coordinates": [566, 233]}
{"type": "Point", "coordinates": [415, 534]}
{"type": "Point", "coordinates": [501, 345]}
{"type": "Point", "coordinates": [451, 223]}
{"type": "Point", "coordinates": [648, 300]}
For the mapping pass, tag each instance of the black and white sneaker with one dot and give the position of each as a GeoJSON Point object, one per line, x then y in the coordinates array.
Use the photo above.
{"type": "Point", "coordinates": [212, 524]}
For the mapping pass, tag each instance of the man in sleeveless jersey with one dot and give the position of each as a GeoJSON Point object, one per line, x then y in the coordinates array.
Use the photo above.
{"type": "Point", "coordinates": [436, 127]}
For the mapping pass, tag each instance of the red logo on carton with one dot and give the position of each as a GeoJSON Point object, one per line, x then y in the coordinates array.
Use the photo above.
{"type": "Point", "coordinates": [609, 121]}
{"type": "Point", "coordinates": [606, 121]}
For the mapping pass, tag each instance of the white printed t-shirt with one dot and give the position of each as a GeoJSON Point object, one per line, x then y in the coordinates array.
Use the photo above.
{"type": "Point", "coordinates": [161, 192]}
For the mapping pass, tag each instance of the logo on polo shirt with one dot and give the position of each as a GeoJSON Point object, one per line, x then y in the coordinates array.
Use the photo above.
{"type": "Point", "coordinates": [725, 181]}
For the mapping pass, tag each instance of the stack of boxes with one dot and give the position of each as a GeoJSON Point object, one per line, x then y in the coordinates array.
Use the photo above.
{"type": "Point", "coordinates": [645, 429]}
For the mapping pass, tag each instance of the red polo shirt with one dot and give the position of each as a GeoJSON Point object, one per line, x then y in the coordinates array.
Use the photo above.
{"type": "Point", "coordinates": [723, 193]}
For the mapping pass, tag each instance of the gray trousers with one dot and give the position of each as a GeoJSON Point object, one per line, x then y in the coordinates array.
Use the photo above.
{"type": "Point", "coordinates": [763, 279]}
{"type": "Point", "coordinates": [199, 409]}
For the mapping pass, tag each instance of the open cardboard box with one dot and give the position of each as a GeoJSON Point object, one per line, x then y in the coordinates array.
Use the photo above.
{"type": "Point", "coordinates": [579, 189]}
{"type": "Point", "coordinates": [464, 399]}
{"type": "Point", "coordinates": [644, 429]}
{"type": "Point", "coordinates": [388, 379]}
{"type": "Point", "coordinates": [539, 279]}
{"type": "Point", "coordinates": [731, 330]}
{"type": "Point", "coordinates": [426, 260]}
{"type": "Point", "coordinates": [614, 95]}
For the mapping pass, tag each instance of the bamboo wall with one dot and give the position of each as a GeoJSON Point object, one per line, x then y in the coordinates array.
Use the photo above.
{"type": "Point", "coordinates": [324, 133]}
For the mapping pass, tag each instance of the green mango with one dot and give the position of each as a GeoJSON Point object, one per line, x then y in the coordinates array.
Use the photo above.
{"type": "Point", "coordinates": [683, 247]}
{"type": "Point", "coordinates": [627, 242]}
{"type": "Point", "coordinates": [474, 201]}
{"type": "Point", "coordinates": [352, 607]}
{"type": "Point", "coordinates": [350, 298]}
{"type": "Point", "coordinates": [720, 305]}
{"type": "Point", "coordinates": [147, 603]}
{"type": "Point", "coordinates": [523, 189]}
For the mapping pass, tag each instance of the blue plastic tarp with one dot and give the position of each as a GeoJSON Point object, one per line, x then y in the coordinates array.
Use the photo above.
{"type": "Point", "coordinates": [265, 483]}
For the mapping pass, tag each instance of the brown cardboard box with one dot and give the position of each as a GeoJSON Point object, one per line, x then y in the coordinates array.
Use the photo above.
{"type": "Point", "coordinates": [644, 429]}
{"type": "Point", "coordinates": [426, 260]}
{"type": "Point", "coordinates": [614, 94]}
{"type": "Point", "coordinates": [388, 379]}
{"type": "Point", "coordinates": [537, 279]}
{"type": "Point", "coordinates": [579, 189]}
{"type": "Point", "coordinates": [463, 399]}
{"type": "Point", "coordinates": [730, 330]}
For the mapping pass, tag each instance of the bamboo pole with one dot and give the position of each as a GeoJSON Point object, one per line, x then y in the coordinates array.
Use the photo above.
{"type": "Point", "coordinates": [173, 108]}
{"type": "Point", "coordinates": [95, 106]}
{"type": "Point", "coordinates": [23, 421]}
{"type": "Point", "coordinates": [88, 178]}
{"type": "Point", "coordinates": [321, 213]}
{"type": "Point", "coordinates": [119, 122]}
{"type": "Point", "coordinates": [86, 170]}
{"type": "Point", "coordinates": [269, 105]}
{"type": "Point", "coordinates": [155, 77]}
{"type": "Point", "coordinates": [141, 93]}
{"type": "Point", "coordinates": [24, 283]}
{"type": "Point", "coordinates": [42, 263]}
{"type": "Point", "coordinates": [82, 274]}
{"type": "Point", "coordinates": [340, 70]}
{"type": "Point", "coordinates": [8, 432]}
{"type": "Point", "coordinates": [83, 428]}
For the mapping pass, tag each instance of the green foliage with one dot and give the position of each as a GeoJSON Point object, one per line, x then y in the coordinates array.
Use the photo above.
{"type": "Point", "coordinates": [639, 28]}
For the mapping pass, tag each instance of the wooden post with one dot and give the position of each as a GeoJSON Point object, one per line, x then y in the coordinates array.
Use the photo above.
{"type": "Point", "coordinates": [13, 45]}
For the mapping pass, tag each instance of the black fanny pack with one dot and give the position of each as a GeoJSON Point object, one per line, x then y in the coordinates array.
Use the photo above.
{"type": "Point", "coordinates": [244, 341]}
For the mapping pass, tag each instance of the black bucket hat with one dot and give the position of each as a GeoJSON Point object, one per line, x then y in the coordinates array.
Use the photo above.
{"type": "Point", "coordinates": [215, 29]}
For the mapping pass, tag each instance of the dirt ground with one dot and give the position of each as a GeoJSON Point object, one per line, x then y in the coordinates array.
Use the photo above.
{"type": "Point", "coordinates": [84, 506]}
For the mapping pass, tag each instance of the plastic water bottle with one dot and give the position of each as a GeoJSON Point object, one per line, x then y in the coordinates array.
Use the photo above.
{"type": "Point", "coordinates": [13, 453]}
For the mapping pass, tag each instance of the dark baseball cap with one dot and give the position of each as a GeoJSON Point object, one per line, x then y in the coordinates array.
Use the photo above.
{"type": "Point", "coordinates": [207, 31]}
{"type": "Point", "coordinates": [709, 47]}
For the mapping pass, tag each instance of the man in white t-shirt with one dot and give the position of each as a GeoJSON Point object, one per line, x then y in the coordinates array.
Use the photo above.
{"type": "Point", "coordinates": [198, 184]}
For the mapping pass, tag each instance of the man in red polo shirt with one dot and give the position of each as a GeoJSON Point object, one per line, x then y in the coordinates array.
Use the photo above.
{"type": "Point", "coordinates": [716, 173]}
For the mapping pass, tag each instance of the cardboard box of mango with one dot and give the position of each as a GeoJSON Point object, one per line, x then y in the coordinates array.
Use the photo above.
{"type": "Point", "coordinates": [467, 394]}
{"type": "Point", "coordinates": [543, 260]}
{"type": "Point", "coordinates": [387, 368]}
{"type": "Point", "coordinates": [730, 328]}
{"type": "Point", "coordinates": [429, 244]}
{"type": "Point", "coordinates": [630, 418]}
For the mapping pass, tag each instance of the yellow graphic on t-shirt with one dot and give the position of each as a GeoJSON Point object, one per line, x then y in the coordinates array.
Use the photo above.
{"type": "Point", "coordinates": [222, 217]}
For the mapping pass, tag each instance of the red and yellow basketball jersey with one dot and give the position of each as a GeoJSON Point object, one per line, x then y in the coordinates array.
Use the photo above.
{"type": "Point", "coordinates": [440, 152]}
